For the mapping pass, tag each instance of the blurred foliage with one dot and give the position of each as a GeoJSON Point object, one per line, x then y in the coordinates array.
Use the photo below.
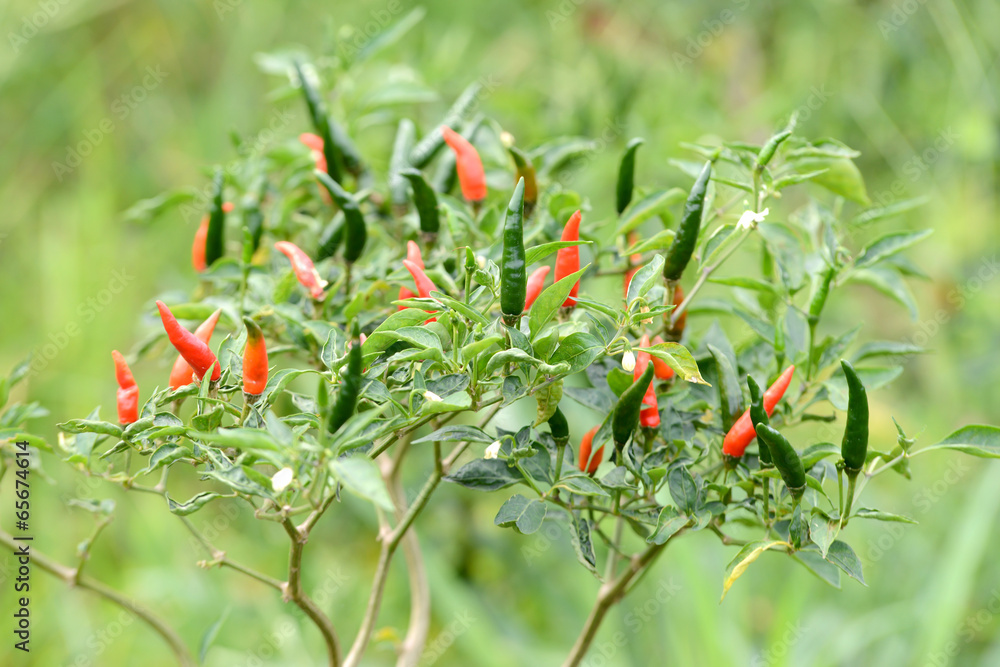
{"type": "Point", "coordinates": [913, 85]}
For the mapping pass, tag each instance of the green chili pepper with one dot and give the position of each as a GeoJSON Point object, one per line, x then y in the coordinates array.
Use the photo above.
{"type": "Point", "coordinates": [215, 240]}
{"type": "Point", "coordinates": [398, 162]}
{"type": "Point", "coordinates": [768, 150]}
{"type": "Point", "coordinates": [425, 200]}
{"type": "Point", "coordinates": [321, 123]}
{"type": "Point", "coordinates": [854, 447]}
{"type": "Point", "coordinates": [820, 291]}
{"type": "Point", "coordinates": [253, 217]}
{"type": "Point", "coordinates": [525, 170]}
{"type": "Point", "coordinates": [682, 248]}
{"type": "Point", "coordinates": [513, 275]}
{"type": "Point", "coordinates": [348, 151]}
{"type": "Point", "coordinates": [559, 427]}
{"type": "Point", "coordinates": [355, 233]}
{"type": "Point", "coordinates": [428, 147]}
{"type": "Point", "coordinates": [331, 237]}
{"type": "Point", "coordinates": [626, 414]}
{"type": "Point", "coordinates": [785, 459]}
{"type": "Point", "coordinates": [758, 416]}
{"type": "Point", "coordinates": [626, 174]}
{"type": "Point", "coordinates": [350, 387]}
{"type": "Point", "coordinates": [730, 397]}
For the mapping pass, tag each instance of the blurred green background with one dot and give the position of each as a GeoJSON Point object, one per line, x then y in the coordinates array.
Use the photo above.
{"type": "Point", "coordinates": [150, 91]}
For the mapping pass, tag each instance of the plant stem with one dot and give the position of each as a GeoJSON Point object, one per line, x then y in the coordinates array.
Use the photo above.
{"type": "Point", "coordinates": [69, 576]}
{"type": "Point", "coordinates": [292, 589]}
{"type": "Point", "coordinates": [219, 557]}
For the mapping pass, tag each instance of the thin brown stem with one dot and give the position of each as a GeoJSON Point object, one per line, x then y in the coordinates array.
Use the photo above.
{"type": "Point", "coordinates": [292, 589]}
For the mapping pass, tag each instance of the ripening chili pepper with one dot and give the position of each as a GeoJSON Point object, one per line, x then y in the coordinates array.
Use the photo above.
{"type": "Point", "coordinates": [413, 255]}
{"type": "Point", "coordinates": [182, 374]}
{"type": "Point", "coordinates": [471, 176]}
{"type": "Point", "coordinates": [355, 232]}
{"type": "Point", "coordinates": [424, 284]}
{"type": "Point", "coordinates": [195, 351]}
{"type": "Point", "coordinates": [254, 361]}
{"type": "Point", "coordinates": [513, 281]}
{"type": "Point", "coordinates": [626, 175]}
{"type": "Point", "coordinates": [661, 368]}
{"type": "Point", "coordinates": [535, 285]}
{"type": "Point", "coordinates": [128, 390]}
{"type": "Point", "coordinates": [350, 388]}
{"type": "Point", "coordinates": [425, 200]}
{"type": "Point", "coordinates": [314, 143]}
{"type": "Point", "coordinates": [785, 459]}
{"type": "Point", "coordinates": [559, 427]}
{"type": "Point", "coordinates": [686, 239]}
{"type": "Point", "coordinates": [676, 331]}
{"type": "Point", "coordinates": [649, 415]}
{"type": "Point", "coordinates": [568, 259]}
{"type": "Point", "coordinates": [626, 414]}
{"type": "Point", "coordinates": [590, 463]}
{"type": "Point", "coordinates": [321, 123]}
{"type": "Point", "coordinates": [200, 236]}
{"type": "Point", "coordinates": [303, 267]}
{"type": "Point", "coordinates": [854, 448]}
{"type": "Point", "coordinates": [758, 416]}
{"type": "Point", "coordinates": [634, 260]}
{"type": "Point", "coordinates": [525, 170]}
{"type": "Point", "coordinates": [742, 433]}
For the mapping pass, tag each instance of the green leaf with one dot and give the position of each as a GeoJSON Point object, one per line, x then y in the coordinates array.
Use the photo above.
{"type": "Point", "coordinates": [249, 439]}
{"type": "Point", "coordinates": [540, 252]}
{"type": "Point", "coordinates": [210, 634]}
{"type": "Point", "coordinates": [843, 556]}
{"type": "Point", "coordinates": [550, 301]}
{"type": "Point", "coordinates": [520, 513]}
{"type": "Point", "coordinates": [652, 204]}
{"type": "Point", "coordinates": [486, 475]}
{"type": "Point", "coordinates": [877, 213]}
{"type": "Point", "coordinates": [879, 515]}
{"type": "Point", "coordinates": [457, 402]}
{"type": "Point", "coordinates": [746, 556]}
{"type": "Point", "coordinates": [889, 245]}
{"type": "Point", "coordinates": [662, 240]}
{"type": "Point", "coordinates": [583, 485]}
{"type": "Point", "coordinates": [582, 544]}
{"type": "Point", "coordinates": [679, 358]}
{"type": "Point", "coordinates": [360, 475]}
{"type": "Point", "coordinates": [579, 350]}
{"type": "Point", "coordinates": [193, 505]}
{"type": "Point", "coordinates": [886, 348]}
{"type": "Point", "coordinates": [514, 356]}
{"type": "Point", "coordinates": [976, 440]}
{"type": "Point", "coordinates": [386, 38]}
{"type": "Point", "coordinates": [462, 309]}
{"type": "Point", "coordinates": [683, 489]}
{"type": "Point", "coordinates": [873, 378]}
{"type": "Point", "coordinates": [473, 349]}
{"type": "Point", "coordinates": [382, 337]}
{"type": "Point", "coordinates": [460, 433]}
{"type": "Point", "coordinates": [746, 282]}
{"type": "Point", "coordinates": [91, 426]}
{"type": "Point", "coordinates": [668, 524]}
{"type": "Point", "coordinates": [887, 281]}
{"type": "Point", "coordinates": [417, 336]}
{"type": "Point", "coordinates": [840, 176]}
{"type": "Point", "coordinates": [645, 278]}
{"type": "Point", "coordinates": [822, 568]}
{"type": "Point", "coordinates": [823, 530]}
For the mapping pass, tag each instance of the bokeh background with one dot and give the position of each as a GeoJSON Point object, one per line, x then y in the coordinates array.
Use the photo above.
{"type": "Point", "coordinates": [151, 91]}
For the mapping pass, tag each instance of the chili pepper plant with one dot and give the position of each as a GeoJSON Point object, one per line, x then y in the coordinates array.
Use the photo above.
{"type": "Point", "coordinates": [367, 319]}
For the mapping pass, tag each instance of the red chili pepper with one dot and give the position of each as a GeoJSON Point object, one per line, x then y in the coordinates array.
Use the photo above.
{"type": "Point", "coordinates": [588, 463]}
{"type": "Point", "coordinates": [304, 268]}
{"type": "Point", "coordinates": [424, 284]}
{"type": "Point", "coordinates": [471, 176]}
{"type": "Point", "coordinates": [536, 283]}
{"type": "Point", "coordinates": [649, 416]}
{"type": "Point", "coordinates": [198, 245]}
{"type": "Point", "coordinates": [128, 390]}
{"type": "Point", "coordinates": [314, 143]}
{"type": "Point", "coordinates": [412, 254]}
{"type": "Point", "coordinates": [254, 360]}
{"type": "Point", "coordinates": [568, 259]}
{"type": "Point", "coordinates": [660, 367]}
{"type": "Point", "coordinates": [742, 433]}
{"type": "Point", "coordinates": [182, 374]}
{"type": "Point", "coordinates": [195, 351]}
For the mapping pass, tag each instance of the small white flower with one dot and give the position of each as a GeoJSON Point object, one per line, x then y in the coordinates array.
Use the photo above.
{"type": "Point", "coordinates": [507, 139]}
{"type": "Point", "coordinates": [431, 396]}
{"type": "Point", "coordinates": [492, 451]}
{"type": "Point", "coordinates": [281, 479]}
{"type": "Point", "coordinates": [628, 361]}
{"type": "Point", "coordinates": [749, 219]}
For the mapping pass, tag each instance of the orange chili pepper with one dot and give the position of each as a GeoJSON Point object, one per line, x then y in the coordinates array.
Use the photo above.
{"type": "Point", "coordinates": [535, 285]}
{"type": "Point", "coordinates": [568, 259]}
{"type": "Point", "coordinates": [128, 390]}
{"type": "Point", "coordinates": [588, 463]}
{"type": "Point", "coordinates": [471, 175]}
{"type": "Point", "coordinates": [182, 374]}
{"type": "Point", "coordinates": [742, 433]}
